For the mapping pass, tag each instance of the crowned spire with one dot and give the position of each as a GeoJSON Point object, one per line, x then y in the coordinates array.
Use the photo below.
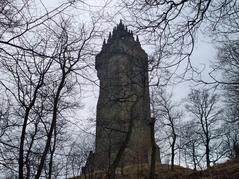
{"type": "Point", "coordinates": [120, 34]}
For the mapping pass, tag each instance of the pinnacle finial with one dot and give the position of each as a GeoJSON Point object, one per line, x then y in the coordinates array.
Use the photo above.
{"type": "Point", "coordinates": [137, 38]}
{"type": "Point", "coordinates": [121, 25]}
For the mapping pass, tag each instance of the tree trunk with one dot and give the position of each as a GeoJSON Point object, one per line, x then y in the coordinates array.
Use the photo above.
{"type": "Point", "coordinates": [24, 127]}
{"type": "Point", "coordinates": [194, 158]}
{"type": "Point", "coordinates": [52, 154]}
{"type": "Point", "coordinates": [153, 154]}
{"type": "Point", "coordinates": [207, 153]}
{"type": "Point", "coordinates": [53, 125]}
{"type": "Point", "coordinates": [173, 151]}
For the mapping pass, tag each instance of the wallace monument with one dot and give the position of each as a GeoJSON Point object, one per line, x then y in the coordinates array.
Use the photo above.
{"type": "Point", "coordinates": [124, 131]}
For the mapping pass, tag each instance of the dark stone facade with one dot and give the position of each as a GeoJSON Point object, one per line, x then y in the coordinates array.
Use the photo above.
{"type": "Point", "coordinates": [123, 109]}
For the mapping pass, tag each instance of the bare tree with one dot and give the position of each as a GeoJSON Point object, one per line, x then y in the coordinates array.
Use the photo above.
{"type": "Point", "coordinates": [203, 106]}
{"type": "Point", "coordinates": [228, 65]}
{"type": "Point", "coordinates": [168, 117]}
{"type": "Point", "coordinates": [40, 78]}
{"type": "Point", "coordinates": [191, 143]}
{"type": "Point", "coordinates": [230, 138]}
{"type": "Point", "coordinates": [225, 72]}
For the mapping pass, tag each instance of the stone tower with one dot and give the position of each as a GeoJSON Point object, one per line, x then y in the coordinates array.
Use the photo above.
{"type": "Point", "coordinates": [123, 130]}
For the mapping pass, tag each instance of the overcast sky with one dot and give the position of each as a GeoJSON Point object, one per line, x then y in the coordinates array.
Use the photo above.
{"type": "Point", "coordinates": [203, 54]}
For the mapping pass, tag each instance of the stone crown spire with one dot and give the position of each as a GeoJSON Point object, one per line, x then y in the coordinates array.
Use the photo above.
{"type": "Point", "coordinates": [120, 33]}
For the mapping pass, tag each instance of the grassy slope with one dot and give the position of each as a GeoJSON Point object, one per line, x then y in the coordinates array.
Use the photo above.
{"type": "Point", "coordinates": [227, 170]}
